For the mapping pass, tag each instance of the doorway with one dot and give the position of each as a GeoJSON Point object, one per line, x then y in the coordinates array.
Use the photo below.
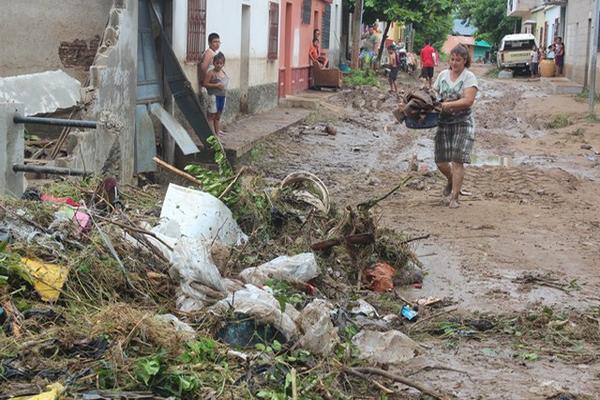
{"type": "Point", "coordinates": [245, 59]}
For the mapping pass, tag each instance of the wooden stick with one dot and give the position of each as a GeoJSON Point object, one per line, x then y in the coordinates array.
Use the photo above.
{"type": "Point", "coordinates": [135, 229]}
{"type": "Point", "coordinates": [228, 188]}
{"type": "Point", "coordinates": [176, 171]}
{"type": "Point", "coordinates": [397, 378]}
{"type": "Point", "coordinates": [294, 386]}
{"type": "Point", "coordinates": [366, 378]}
{"type": "Point", "coordinates": [416, 238]}
{"type": "Point", "coordinates": [372, 203]}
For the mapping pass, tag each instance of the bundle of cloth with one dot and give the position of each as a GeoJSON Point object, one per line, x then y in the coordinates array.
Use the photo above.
{"type": "Point", "coordinates": [417, 104]}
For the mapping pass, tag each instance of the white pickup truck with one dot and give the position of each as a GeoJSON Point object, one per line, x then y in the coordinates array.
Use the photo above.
{"type": "Point", "coordinates": [515, 51]}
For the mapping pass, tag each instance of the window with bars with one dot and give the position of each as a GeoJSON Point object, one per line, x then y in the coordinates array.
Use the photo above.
{"type": "Point", "coordinates": [273, 30]}
{"type": "Point", "coordinates": [306, 11]}
{"type": "Point", "coordinates": [326, 27]}
{"type": "Point", "coordinates": [196, 35]}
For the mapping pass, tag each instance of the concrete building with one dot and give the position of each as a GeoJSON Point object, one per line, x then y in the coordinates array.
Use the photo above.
{"type": "Point", "coordinates": [298, 20]}
{"type": "Point", "coordinates": [577, 42]}
{"type": "Point", "coordinates": [249, 31]}
{"type": "Point", "coordinates": [41, 35]}
{"type": "Point", "coordinates": [570, 19]}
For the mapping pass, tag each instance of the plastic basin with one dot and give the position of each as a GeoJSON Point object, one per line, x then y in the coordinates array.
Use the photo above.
{"type": "Point", "coordinates": [431, 120]}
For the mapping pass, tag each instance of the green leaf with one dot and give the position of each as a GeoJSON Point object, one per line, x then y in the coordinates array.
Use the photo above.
{"type": "Point", "coordinates": [147, 369]}
{"type": "Point", "coordinates": [276, 345]}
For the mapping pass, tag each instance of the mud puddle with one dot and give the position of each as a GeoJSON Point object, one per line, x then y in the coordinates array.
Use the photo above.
{"type": "Point", "coordinates": [447, 276]}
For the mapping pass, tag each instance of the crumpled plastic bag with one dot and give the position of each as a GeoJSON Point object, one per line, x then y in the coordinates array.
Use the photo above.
{"type": "Point", "coordinates": [200, 281]}
{"type": "Point", "coordinates": [47, 279]}
{"type": "Point", "coordinates": [379, 278]}
{"type": "Point", "coordinates": [258, 304]}
{"type": "Point", "coordinates": [320, 336]}
{"type": "Point", "coordinates": [391, 347]}
{"type": "Point", "coordinates": [200, 215]}
{"type": "Point", "coordinates": [299, 268]}
{"type": "Point", "coordinates": [185, 331]}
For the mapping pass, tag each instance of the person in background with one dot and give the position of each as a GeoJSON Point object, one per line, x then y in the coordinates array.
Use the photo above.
{"type": "Point", "coordinates": [315, 54]}
{"type": "Point", "coordinates": [369, 46]}
{"type": "Point", "coordinates": [427, 62]}
{"type": "Point", "coordinates": [215, 82]}
{"type": "Point", "coordinates": [206, 60]}
{"type": "Point", "coordinates": [394, 64]}
{"type": "Point", "coordinates": [550, 53]}
{"type": "Point", "coordinates": [535, 61]}
{"type": "Point", "coordinates": [455, 136]}
{"type": "Point", "coordinates": [321, 57]}
{"type": "Point", "coordinates": [402, 59]}
{"type": "Point", "coordinates": [559, 55]}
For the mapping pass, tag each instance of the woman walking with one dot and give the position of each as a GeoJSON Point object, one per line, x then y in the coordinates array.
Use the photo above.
{"type": "Point", "coordinates": [455, 136]}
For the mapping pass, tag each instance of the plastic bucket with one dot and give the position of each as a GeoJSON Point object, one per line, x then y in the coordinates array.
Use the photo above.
{"type": "Point", "coordinates": [431, 120]}
{"type": "Point", "coordinates": [546, 68]}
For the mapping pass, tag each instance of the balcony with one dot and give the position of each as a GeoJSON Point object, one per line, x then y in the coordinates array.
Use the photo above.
{"type": "Point", "coordinates": [520, 8]}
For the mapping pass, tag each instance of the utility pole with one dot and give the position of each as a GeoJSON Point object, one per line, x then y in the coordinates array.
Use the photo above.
{"type": "Point", "coordinates": [594, 56]}
{"type": "Point", "coordinates": [356, 31]}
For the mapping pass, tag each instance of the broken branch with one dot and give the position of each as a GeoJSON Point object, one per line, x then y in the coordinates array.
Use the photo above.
{"type": "Point", "coordinates": [397, 378]}
{"type": "Point", "coordinates": [372, 203]}
{"type": "Point", "coordinates": [228, 188]}
{"type": "Point", "coordinates": [416, 238]}
{"type": "Point", "coordinates": [176, 171]}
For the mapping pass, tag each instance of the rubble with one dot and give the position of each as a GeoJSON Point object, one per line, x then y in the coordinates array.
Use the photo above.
{"type": "Point", "coordinates": [149, 282]}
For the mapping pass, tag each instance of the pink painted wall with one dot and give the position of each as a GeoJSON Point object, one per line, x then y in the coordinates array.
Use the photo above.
{"type": "Point", "coordinates": [293, 77]}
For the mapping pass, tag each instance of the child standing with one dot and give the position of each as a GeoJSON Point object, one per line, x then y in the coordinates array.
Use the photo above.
{"type": "Point", "coordinates": [394, 67]}
{"type": "Point", "coordinates": [535, 60]}
{"type": "Point", "coordinates": [216, 82]}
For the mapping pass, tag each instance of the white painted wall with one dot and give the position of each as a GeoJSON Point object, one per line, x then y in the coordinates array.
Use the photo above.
{"type": "Point", "coordinates": [224, 17]}
{"type": "Point", "coordinates": [336, 32]}
{"type": "Point", "coordinates": [551, 14]}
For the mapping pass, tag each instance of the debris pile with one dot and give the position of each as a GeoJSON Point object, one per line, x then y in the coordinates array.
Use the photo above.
{"type": "Point", "coordinates": [111, 290]}
{"type": "Point", "coordinates": [416, 104]}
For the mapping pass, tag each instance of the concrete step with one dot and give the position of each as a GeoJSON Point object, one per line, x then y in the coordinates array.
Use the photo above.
{"type": "Point", "coordinates": [560, 85]}
{"type": "Point", "coordinates": [243, 134]}
{"type": "Point", "coordinates": [300, 102]}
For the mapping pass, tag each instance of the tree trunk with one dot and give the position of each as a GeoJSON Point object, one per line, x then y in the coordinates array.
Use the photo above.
{"type": "Point", "coordinates": [383, 39]}
{"type": "Point", "coordinates": [356, 25]}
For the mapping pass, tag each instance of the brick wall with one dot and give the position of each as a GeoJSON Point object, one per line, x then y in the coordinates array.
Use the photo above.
{"type": "Point", "coordinates": [78, 53]}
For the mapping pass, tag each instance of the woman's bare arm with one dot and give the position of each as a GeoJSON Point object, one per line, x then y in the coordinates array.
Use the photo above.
{"type": "Point", "coordinates": [462, 104]}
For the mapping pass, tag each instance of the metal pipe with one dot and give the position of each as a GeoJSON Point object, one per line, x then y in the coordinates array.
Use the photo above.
{"type": "Point", "coordinates": [42, 169]}
{"type": "Point", "coordinates": [19, 119]}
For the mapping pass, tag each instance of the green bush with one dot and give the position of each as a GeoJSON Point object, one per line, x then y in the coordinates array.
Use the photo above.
{"type": "Point", "coordinates": [559, 121]}
{"type": "Point", "coordinates": [361, 77]}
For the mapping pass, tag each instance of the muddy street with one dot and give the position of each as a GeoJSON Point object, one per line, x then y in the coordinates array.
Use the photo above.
{"type": "Point", "coordinates": [522, 251]}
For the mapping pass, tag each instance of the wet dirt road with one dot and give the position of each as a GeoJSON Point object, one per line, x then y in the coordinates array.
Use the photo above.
{"type": "Point", "coordinates": [527, 237]}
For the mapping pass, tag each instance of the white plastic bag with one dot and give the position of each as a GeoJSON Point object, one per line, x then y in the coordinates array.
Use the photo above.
{"type": "Point", "coordinates": [199, 215]}
{"type": "Point", "coordinates": [392, 347]}
{"type": "Point", "coordinates": [299, 268]}
{"type": "Point", "coordinates": [260, 305]}
{"type": "Point", "coordinates": [320, 336]}
{"type": "Point", "coordinates": [200, 280]}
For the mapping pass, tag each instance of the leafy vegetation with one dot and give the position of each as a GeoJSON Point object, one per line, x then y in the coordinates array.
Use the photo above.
{"type": "Point", "coordinates": [215, 182]}
{"type": "Point", "coordinates": [489, 17]}
{"type": "Point", "coordinates": [361, 77]}
{"type": "Point", "coordinates": [559, 121]}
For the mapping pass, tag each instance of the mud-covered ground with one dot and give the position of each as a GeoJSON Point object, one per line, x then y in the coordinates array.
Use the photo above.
{"type": "Point", "coordinates": [525, 243]}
